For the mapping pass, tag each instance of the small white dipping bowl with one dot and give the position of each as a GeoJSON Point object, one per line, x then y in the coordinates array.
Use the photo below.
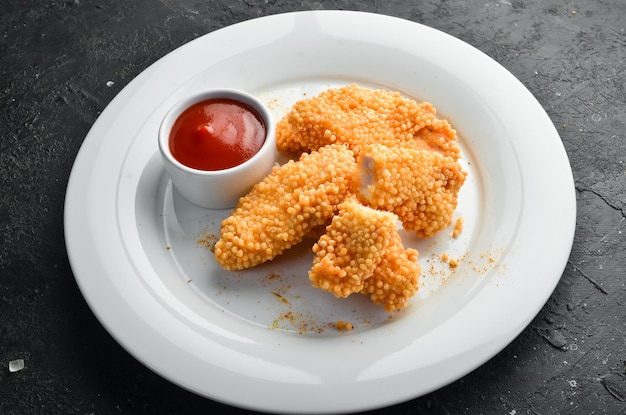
{"type": "Point", "coordinates": [218, 189]}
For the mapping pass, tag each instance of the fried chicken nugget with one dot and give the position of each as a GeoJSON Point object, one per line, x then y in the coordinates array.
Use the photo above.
{"type": "Point", "coordinates": [285, 206]}
{"type": "Point", "coordinates": [363, 252]}
{"type": "Point", "coordinates": [352, 247]}
{"type": "Point", "coordinates": [419, 186]}
{"type": "Point", "coordinates": [359, 116]}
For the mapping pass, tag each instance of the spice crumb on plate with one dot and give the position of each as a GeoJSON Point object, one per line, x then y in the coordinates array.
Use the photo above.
{"type": "Point", "coordinates": [343, 325]}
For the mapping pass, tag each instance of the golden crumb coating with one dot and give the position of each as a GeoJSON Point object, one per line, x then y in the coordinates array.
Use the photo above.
{"type": "Point", "coordinates": [396, 279]}
{"type": "Point", "coordinates": [419, 186]}
{"type": "Point", "coordinates": [284, 207]}
{"type": "Point", "coordinates": [353, 245]}
{"type": "Point", "coordinates": [358, 116]}
{"type": "Point", "coordinates": [363, 252]}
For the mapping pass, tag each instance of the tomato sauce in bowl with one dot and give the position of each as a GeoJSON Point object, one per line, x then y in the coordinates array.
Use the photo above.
{"type": "Point", "coordinates": [217, 144]}
{"type": "Point", "coordinates": [217, 134]}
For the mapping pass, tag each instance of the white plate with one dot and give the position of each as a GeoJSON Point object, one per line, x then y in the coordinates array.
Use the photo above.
{"type": "Point", "coordinates": [263, 338]}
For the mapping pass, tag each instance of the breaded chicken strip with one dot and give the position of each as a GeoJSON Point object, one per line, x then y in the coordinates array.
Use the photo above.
{"type": "Point", "coordinates": [359, 116]}
{"type": "Point", "coordinates": [285, 206]}
{"type": "Point", "coordinates": [419, 186]}
{"type": "Point", "coordinates": [362, 252]}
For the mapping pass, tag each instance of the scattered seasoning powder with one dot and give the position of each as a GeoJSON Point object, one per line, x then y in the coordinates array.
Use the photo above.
{"type": "Point", "coordinates": [208, 240]}
{"type": "Point", "coordinates": [281, 298]}
{"type": "Point", "coordinates": [272, 275]}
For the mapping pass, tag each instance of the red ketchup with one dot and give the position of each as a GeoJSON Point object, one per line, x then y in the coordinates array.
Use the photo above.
{"type": "Point", "coordinates": [216, 134]}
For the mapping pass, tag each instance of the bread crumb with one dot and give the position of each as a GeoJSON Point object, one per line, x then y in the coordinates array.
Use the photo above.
{"type": "Point", "coordinates": [343, 325]}
{"type": "Point", "coordinates": [458, 228]}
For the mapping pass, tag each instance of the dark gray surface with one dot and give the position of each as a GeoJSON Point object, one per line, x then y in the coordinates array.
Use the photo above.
{"type": "Point", "coordinates": [62, 62]}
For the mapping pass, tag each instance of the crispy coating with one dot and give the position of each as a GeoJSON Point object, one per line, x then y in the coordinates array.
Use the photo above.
{"type": "Point", "coordinates": [359, 116]}
{"type": "Point", "coordinates": [396, 279]}
{"type": "Point", "coordinates": [363, 252]}
{"type": "Point", "coordinates": [284, 207]}
{"type": "Point", "coordinates": [419, 186]}
{"type": "Point", "coordinates": [352, 247]}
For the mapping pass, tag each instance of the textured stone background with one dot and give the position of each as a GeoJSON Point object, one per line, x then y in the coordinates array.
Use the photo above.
{"type": "Point", "coordinates": [62, 62]}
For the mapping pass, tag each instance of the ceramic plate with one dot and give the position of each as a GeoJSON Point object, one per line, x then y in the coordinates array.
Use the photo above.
{"type": "Point", "coordinates": [264, 338]}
